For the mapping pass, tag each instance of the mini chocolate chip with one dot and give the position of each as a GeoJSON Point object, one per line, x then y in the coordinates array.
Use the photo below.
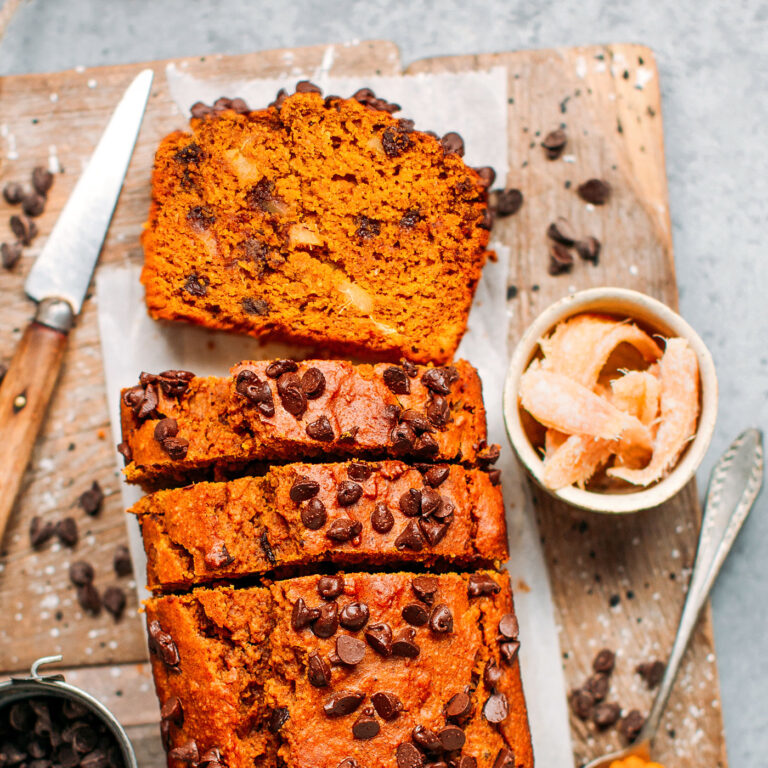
{"type": "Point", "coordinates": [560, 259]}
{"type": "Point", "coordinates": [410, 218]}
{"type": "Point", "coordinates": [397, 380]}
{"type": "Point", "coordinates": [509, 626]}
{"type": "Point", "coordinates": [365, 727]}
{"type": "Point", "coordinates": [379, 637]}
{"type": "Point", "coordinates": [504, 759]}
{"type": "Point", "coordinates": [218, 556]}
{"type": "Point", "coordinates": [81, 573]}
{"type": "Point", "coordinates": [188, 752]}
{"type": "Point", "coordinates": [33, 204]}
{"type": "Point", "coordinates": [20, 716]}
{"type": "Point", "coordinates": [395, 141]}
{"type": "Point", "coordinates": [382, 519]}
{"type": "Point", "coordinates": [114, 601]}
{"type": "Point", "coordinates": [403, 645]}
{"type": "Point", "coordinates": [277, 368]}
{"type": "Point", "coordinates": [350, 650]}
{"type": "Point", "coordinates": [90, 501]}
{"type": "Point", "coordinates": [452, 738]}
{"type": "Point", "coordinates": [66, 530]}
{"type": "Point", "coordinates": [367, 228]}
{"type": "Point", "coordinates": [652, 672]}
{"type": "Point", "coordinates": [494, 475]}
{"type": "Point", "coordinates": [439, 380]}
{"type": "Point", "coordinates": [313, 515]}
{"type": "Point", "coordinates": [496, 708]}
{"type": "Point", "coordinates": [266, 548]}
{"type": "Point", "coordinates": [24, 228]}
{"type": "Point", "coordinates": [200, 218]}
{"type": "Point", "coordinates": [509, 651]}
{"type": "Point", "coordinates": [161, 644]}
{"type": "Point", "coordinates": [415, 614]}
{"type": "Point", "coordinates": [561, 231]}
{"type": "Point", "coordinates": [121, 561]}
{"type": "Point", "coordinates": [441, 619]}
{"type": "Point", "coordinates": [410, 537]}
{"type": "Point", "coordinates": [348, 762]}
{"type": "Point", "coordinates": [40, 532]}
{"type": "Point", "coordinates": [459, 707]}
{"type": "Point", "coordinates": [342, 703]}
{"type": "Point", "coordinates": [431, 502]}
{"type": "Point", "coordinates": [255, 306]}
{"type": "Point", "coordinates": [330, 587]}
{"type": "Point", "coordinates": [318, 670]}
{"type": "Point", "coordinates": [387, 705]}
{"type": "Point", "coordinates": [508, 202]}
{"type": "Point", "coordinates": [492, 674]}
{"type": "Point", "coordinates": [426, 739]}
{"type": "Point", "coordinates": [466, 761]}
{"type": "Point", "coordinates": [598, 685]}
{"type": "Point", "coordinates": [554, 143]}
{"type": "Point", "coordinates": [595, 191]}
{"type": "Point", "coordinates": [582, 702]}
{"type": "Point", "coordinates": [277, 719]}
{"type": "Point", "coordinates": [302, 616]}
{"type": "Point", "coordinates": [303, 489]}
{"type": "Point", "coordinates": [175, 447]}
{"type": "Point", "coordinates": [173, 711]}
{"type": "Point", "coordinates": [436, 476]}
{"type": "Point", "coordinates": [604, 661]}
{"type": "Point", "coordinates": [408, 756]}
{"type": "Point", "coordinates": [13, 193]}
{"type": "Point", "coordinates": [327, 622]}
{"type": "Point", "coordinates": [481, 584]}
{"type": "Point", "coordinates": [606, 714]}
{"type": "Point", "coordinates": [211, 759]}
{"type": "Point", "coordinates": [195, 286]}
{"type": "Point", "coordinates": [354, 616]}
{"type": "Point", "coordinates": [631, 725]}
{"type": "Point", "coordinates": [313, 383]}
{"type": "Point", "coordinates": [344, 529]}
{"type": "Point", "coordinates": [589, 249]}
{"type": "Point", "coordinates": [487, 175]}
{"type": "Point", "coordinates": [452, 143]}
{"type": "Point", "coordinates": [305, 86]}
{"type": "Point", "coordinates": [320, 429]}
{"type": "Point", "coordinates": [410, 503]}
{"type": "Point", "coordinates": [291, 394]}
{"type": "Point", "coordinates": [89, 598]}
{"type": "Point", "coordinates": [488, 454]}
{"type": "Point", "coordinates": [256, 391]}
{"type": "Point", "coordinates": [348, 493]}
{"type": "Point", "coordinates": [425, 588]}
{"type": "Point", "coordinates": [10, 254]}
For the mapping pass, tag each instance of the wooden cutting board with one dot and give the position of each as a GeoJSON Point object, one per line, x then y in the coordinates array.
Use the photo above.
{"type": "Point", "coordinates": [617, 582]}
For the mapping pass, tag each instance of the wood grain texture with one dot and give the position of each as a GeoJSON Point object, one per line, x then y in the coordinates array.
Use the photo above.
{"type": "Point", "coordinates": [24, 396]}
{"type": "Point", "coordinates": [608, 101]}
{"type": "Point", "coordinates": [61, 117]}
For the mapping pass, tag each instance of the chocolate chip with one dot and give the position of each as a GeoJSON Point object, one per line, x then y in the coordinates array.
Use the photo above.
{"type": "Point", "coordinates": [595, 191]}
{"type": "Point", "coordinates": [166, 428]}
{"type": "Point", "coordinates": [631, 725]}
{"type": "Point", "coordinates": [277, 368]}
{"type": "Point", "coordinates": [302, 616]}
{"type": "Point", "coordinates": [426, 739]}
{"type": "Point", "coordinates": [172, 711]}
{"type": "Point", "coordinates": [255, 306]}
{"type": "Point", "coordinates": [175, 447]}
{"type": "Point", "coordinates": [344, 529]}
{"type": "Point", "coordinates": [604, 661]}
{"type": "Point", "coordinates": [606, 714]}
{"type": "Point", "coordinates": [425, 588]}
{"type": "Point", "coordinates": [365, 727]}
{"type": "Point", "coordinates": [403, 439]}
{"type": "Point", "coordinates": [81, 573]}
{"type": "Point", "coordinates": [598, 685]}
{"type": "Point", "coordinates": [494, 475]}
{"type": "Point", "coordinates": [480, 584]}
{"type": "Point", "coordinates": [561, 231]}
{"type": "Point", "coordinates": [367, 228]}
{"type": "Point", "coordinates": [350, 650]}
{"type": "Point", "coordinates": [40, 532]}
{"type": "Point", "coordinates": [509, 651]}
{"type": "Point", "coordinates": [313, 383]}
{"type": "Point", "coordinates": [492, 674]}
{"type": "Point", "coordinates": [348, 493]}
{"type": "Point", "coordinates": [320, 429]}
{"type": "Point", "coordinates": [452, 143]}
{"type": "Point", "coordinates": [509, 626]}
{"type": "Point", "coordinates": [560, 259]}
{"type": "Point", "coordinates": [589, 249]}
{"type": "Point", "coordinates": [200, 218]}
{"type": "Point", "coordinates": [382, 519]}
{"type": "Point", "coordinates": [504, 759]}
{"type": "Point", "coordinates": [291, 394]}
{"type": "Point", "coordinates": [330, 587]}
{"type": "Point", "coordinates": [33, 204]}
{"type": "Point", "coordinates": [408, 756]}
{"type": "Point", "coordinates": [161, 644]}
{"type": "Point", "coordinates": [395, 141]}
{"type": "Point", "coordinates": [459, 707]}
{"type": "Point", "coordinates": [415, 614]}
{"type": "Point", "coordinates": [342, 703]}
{"type": "Point", "coordinates": [410, 218]}
{"type": "Point", "coordinates": [431, 502]}
{"type": "Point", "coordinates": [368, 98]}
{"type": "Point", "coordinates": [439, 380]}
{"type": "Point", "coordinates": [441, 619]}
{"type": "Point", "coordinates": [379, 637]}
{"type": "Point", "coordinates": [582, 703]}
{"type": "Point", "coordinates": [13, 193]}
{"type": "Point", "coordinates": [260, 197]}
{"type": "Point", "coordinates": [327, 622]}
{"type": "Point", "coordinates": [452, 738]}
{"type": "Point", "coordinates": [496, 708]}
{"type": "Point", "coordinates": [10, 254]}
{"type": "Point", "coordinates": [195, 286]}
{"type": "Point", "coordinates": [24, 228]}
{"type": "Point", "coordinates": [218, 556]}
{"type": "Point", "coordinates": [554, 143]}
{"type": "Point", "coordinates": [66, 530]}
{"type": "Point", "coordinates": [354, 616]}
{"type": "Point", "coordinates": [142, 400]}
{"type": "Point", "coordinates": [189, 154]}
{"type": "Point", "coordinates": [466, 761]}
{"type": "Point", "coordinates": [303, 489]}
{"type": "Point", "coordinates": [277, 719]}
{"type": "Point", "coordinates": [487, 176]}
{"type": "Point", "coordinates": [387, 705]}
{"type": "Point", "coordinates": [211, 759]}
{"type": "Point", "coordinates": [436, 476]}
{"type": "Point", "coordinates": [20, 717]}
{"type": "Point", "coordinates": [89, 599]}
{"type": "Point", "coordinates": [318, 670]}
{"type": "Point", "coordinates": [397, 380]}
{"type": "Point", "coordinates": [358, 471]}
{"type": "Point", "coordinates": [313, 515]}
{"type": "Point", "coordinates": [410, 503]}
{"type": "Point", "coordinates": [114, 601]}
{"type": "Point", "coordinates": [175, 383]}
{"type": "Point", "coordinates": [652, 672]}
{"type": "Point", "coordinates": [305, 86]}
{"type": "Point", "coordinates": [125, 451]}
{"type": "Point", "coordinates": [488, 454]}
{"type": "Point", "coordinates": [256, 391]}
{"type": "Point", "coordinates": [403, 645]}
{"type": "Point", "coordinates": [410, 537]}
{"type": "Point", "coordinates": [508, 202]}
{"type": "Point", "coordinates": [348, 762]}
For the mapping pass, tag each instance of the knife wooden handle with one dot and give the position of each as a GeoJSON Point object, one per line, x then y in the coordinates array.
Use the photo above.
{"type": "Point", "coordinates": [24, 395]}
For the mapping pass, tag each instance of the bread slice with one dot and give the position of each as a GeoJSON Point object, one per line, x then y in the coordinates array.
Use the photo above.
{"type": "Point", "coordinates": [375, 670]}
{"type": "Point", "coordinates": [321, 221]}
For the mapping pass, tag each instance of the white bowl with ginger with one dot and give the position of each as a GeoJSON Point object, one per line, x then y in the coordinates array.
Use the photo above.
{"type": "Point", "coordinates": [610, 400]}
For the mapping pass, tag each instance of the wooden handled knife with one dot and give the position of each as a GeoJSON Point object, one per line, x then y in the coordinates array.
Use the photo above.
{"type": "Point", "coordinates": [58, 282]}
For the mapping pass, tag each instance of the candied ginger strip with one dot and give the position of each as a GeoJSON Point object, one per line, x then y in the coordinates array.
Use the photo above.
{"type": "Point", "coordinates": [637, 393]}
{"type": "Point", "coordinates": [575, 461]}
{"type": "Point", "coordinates": [679, 413]}
{"type": "Point", "coordinates": [553, 440]}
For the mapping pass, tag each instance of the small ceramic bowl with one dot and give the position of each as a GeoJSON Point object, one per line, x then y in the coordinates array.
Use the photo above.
{"type": "Point", "coordinates": [653, 316]}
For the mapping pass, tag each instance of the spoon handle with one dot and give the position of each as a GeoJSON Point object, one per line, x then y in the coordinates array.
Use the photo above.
{"type": "Point", "coordinates": [733, 487]}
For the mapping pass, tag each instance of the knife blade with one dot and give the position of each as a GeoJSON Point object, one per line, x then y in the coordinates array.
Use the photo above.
{"type": "Point", "coordinates": [58, 281]}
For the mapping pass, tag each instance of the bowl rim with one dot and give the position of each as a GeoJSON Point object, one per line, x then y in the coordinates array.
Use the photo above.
{"type": "Point", "coordinates": [650, 311]}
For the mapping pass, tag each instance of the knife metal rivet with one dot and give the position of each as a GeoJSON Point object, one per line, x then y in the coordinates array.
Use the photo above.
{"type": "Point", "coordinates": [19, 402]}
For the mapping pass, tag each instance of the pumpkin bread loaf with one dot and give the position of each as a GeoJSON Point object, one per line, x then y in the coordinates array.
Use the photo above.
{"type": "Point", "coordinates": [177, 426]}
{"type": "Point", "coordinates": [371, 514]}
{"type": "Point", "coordinates": [321, 221]}
{"type": "Point", "coordinates": [373, 670]}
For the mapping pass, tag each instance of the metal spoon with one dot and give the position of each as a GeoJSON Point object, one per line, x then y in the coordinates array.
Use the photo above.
{"type": "Point", "coordinates": [733, 488]}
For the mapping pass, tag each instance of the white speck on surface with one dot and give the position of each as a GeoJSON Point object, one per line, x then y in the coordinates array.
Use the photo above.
{"type": "Point", "coordinates": [49, 570]}
{"type": "Point", "coordinates": [633, 269]}
{"type": "Point", "coordinates": [54, 166]}
{"type": "Point", "coordinates": [115, 672]}
{"type": "Point", "coordinates": [589, 207]}
{"type": "Point", "coordinates": [92, 83]}
{"type": "Point", "coordinates": [569, 158]}
{"type": "Point", "coordinates": [112, 645]}
{"type": "Point", "coordinates": [600, 66]}
{"type": "Point", "coordinates": [55, 632]}
{"type": "Point", "coordinates": [80, 69]}
{"type": "Point", "coordinates": [49, 602]}
{"type": "Point", "coordinates": [89, 651]}
{"type": "Point", "coordinates": [581, 67]}
{"type": "Point", "coordinates": [54, 97]}
{"type": "Point", "coordinates": [18, 616]}
{"type": "Point", "coordinates": [643, 77]}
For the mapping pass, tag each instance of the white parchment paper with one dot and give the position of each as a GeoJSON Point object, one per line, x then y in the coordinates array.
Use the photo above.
{"type": "Point", "coordinates": [474, 105]}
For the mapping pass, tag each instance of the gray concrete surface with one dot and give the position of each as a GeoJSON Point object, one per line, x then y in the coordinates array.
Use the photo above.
{"type": "Point", "coordinates": [713, 58]}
